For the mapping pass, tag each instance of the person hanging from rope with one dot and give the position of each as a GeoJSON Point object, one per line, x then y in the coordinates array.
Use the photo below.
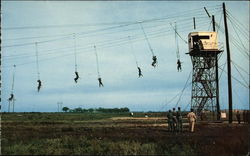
{"type": "Point", "coordinates": [11, 97]}
{"type": "Point", "coordinates": [39, 85]}
{"type": "Point", "coordinates": [100, 82]}
{"type": "Point", "coordinates": [139, 70]}
{"type": "Point", "coordinates": [77, 77]}
{"type": "Point", "coordinates": [98, 72]}
{"type": "Point", "coordinates": [154, 61]}
{"type": "Point", "coordinates": [179, 65]}
{"type": "Point", "coordinates": [76, 73]}
{"type": "Point", "coordinates": [151, 49]}
{"type": "Point", "coordinates": [132, 49]}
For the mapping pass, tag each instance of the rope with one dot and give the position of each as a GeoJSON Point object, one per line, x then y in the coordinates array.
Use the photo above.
{"type": "Point", "coordinates": [181, 92]}
{"type": "Point", "coordinates": [185, 86]}
{"type": "Point", "coordinates": [240, 74]}
{"type": "Point", "coordinates": [176, 42]}
{"type": "Point", "coordinates": [145, 35]}
{"type": "Point", "coordinates": [179, 34]}
{"type": "Point", "coordinates": [244, 85]}
{"type": "Point", "coordinates": [97, 62]}
{"type": "Point", "coordinates": [133, 52]}
{"type": "Point", "coordinates": [37, 63]}
{"type": "Point", "coordinates": [13, 79]}
{"type": "Point", "coordinates": [74, 36]}
{"type": "Point", "coordinates": [238, 36]}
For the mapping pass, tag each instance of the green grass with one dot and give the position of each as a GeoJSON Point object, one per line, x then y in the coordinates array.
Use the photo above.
{"type": "Point", "coordinates": [69, 145]}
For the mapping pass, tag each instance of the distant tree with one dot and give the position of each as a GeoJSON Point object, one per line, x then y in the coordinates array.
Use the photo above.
{"type": "Point", "coordinates": [78, 110]}
{"type": "Point", "coordinates": [91, 110]}
{"type": "Point", "coordinates": [65, 109]}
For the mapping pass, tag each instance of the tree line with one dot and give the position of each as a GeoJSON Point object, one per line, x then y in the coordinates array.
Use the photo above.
{"type": "Point", "coordinates": [96, 110]}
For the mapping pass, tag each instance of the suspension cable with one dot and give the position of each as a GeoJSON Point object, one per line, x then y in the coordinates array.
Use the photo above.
{"type": "Point", "coordinates": [176, 42]}
{"type": "Point", "coordinates": [74, 36]}
{"type": "Point", "coordinates": [133, 52]}
{"type": "Point", "coordinates": [145, 35]}
{"type": "Point", "coordinates": [97, 62]}
{"type": "Point", "coordinates": [37, 62]}
{"type": "Point", "coordinates": [13, 79]}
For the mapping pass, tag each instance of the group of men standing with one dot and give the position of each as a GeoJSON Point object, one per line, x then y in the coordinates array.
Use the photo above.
{"type": "Point", "coordinates": [175, 120]}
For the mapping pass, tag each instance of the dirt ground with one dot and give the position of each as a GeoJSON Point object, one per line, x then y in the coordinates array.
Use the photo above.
{"type": "Point", "coordinates": [208, 138]}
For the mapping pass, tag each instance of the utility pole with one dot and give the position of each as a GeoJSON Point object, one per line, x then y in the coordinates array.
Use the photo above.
{"type": "Point", "coordinates": [59, 106]}
{"type": "Point", "coordinates": [230, 102]}
{"type": "Point", "coordinates": [194, 22]}
{"type": "Point", "coordinates": [217, 78]}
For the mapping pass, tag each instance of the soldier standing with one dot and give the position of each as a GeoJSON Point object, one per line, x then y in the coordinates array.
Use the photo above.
{"type": "Point", "coordinates": [191, 118]}
{"type": "Point", "coordinates": [179, 120]}
{"type": "Point", "coordinates": [238, 116]}
{"type": "Point", "coordinates": [170, 121]}
{"type": "Point", "coordinates": [174, 120]}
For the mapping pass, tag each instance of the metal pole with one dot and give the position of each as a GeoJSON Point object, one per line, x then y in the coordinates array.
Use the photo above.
{"type": "Point", "coordinates": [217, 78]}
{"type": "Point", "coordinates": [194, 22]}
{"type": "Point", "coordinates": [230, 103]}
{"type": "Point", "coordinates": [9, 107]}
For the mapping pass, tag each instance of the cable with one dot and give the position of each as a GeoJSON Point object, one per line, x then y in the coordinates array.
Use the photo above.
{"type": "Point", "coordinates": [244, 85]}
{"type": "Point", "coordinates": [144, 21]}
{"type": "Point", "coordinates": [161, 34]}
{"type": "Point", "coordinates": [145, 35]}
{"type": "Point", "coordinates": [13, 79]}
{"type": "Point", "coordinates": [97, 63]}
{"type": "Point", "coordinates": [237, 35]}
{"type": "Point", "coordinates": [181, 92]}
{"type": "Point", "coordinates": [240, 67]}
{"type": "Point", "coordinates": [37, 63]}
{"type": "Point", "coordinates": [132, 49]}
{"type": "Point", "coordinates": [179, 35]}
{"type": "Point", "coordinates": [239, 73]}
{"type": "Point", "coordinates": [74, 37]}
{"type": "Point", "coordinates": [185, 86]}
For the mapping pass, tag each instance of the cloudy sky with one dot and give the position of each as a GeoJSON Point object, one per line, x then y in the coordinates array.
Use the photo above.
{"type": "Point", "coordinates": [107, 25]}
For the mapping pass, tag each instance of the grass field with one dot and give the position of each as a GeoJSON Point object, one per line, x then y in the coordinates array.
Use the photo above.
{"type": "Point", "coordinates": [115, 134]}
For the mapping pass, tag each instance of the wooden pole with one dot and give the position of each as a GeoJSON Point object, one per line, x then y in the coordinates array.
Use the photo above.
{"type": "Point", "coordinates": [230, 102]}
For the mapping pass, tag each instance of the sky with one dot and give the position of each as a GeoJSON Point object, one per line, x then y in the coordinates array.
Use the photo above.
{"type": "Point", "coordinates": [108, 25]}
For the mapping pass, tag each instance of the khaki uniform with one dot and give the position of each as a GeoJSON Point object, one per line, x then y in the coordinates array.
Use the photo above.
{"type": "Point", "coordinates": [191, 118]}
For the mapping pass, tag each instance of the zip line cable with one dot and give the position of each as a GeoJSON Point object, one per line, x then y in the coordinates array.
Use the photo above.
{"type": "Point", "coordinates": [24, 44]}
{"type": "Point", "coordinates": [55, 49]}
{"type": "Point", "coordinates": [81, 33]}
{"type": "Point", "coordinates": [29, 43]}
{"type": "Point", "coordinates": [107, 23]}
{"type": "Point", "coordinates": [156, 36]}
